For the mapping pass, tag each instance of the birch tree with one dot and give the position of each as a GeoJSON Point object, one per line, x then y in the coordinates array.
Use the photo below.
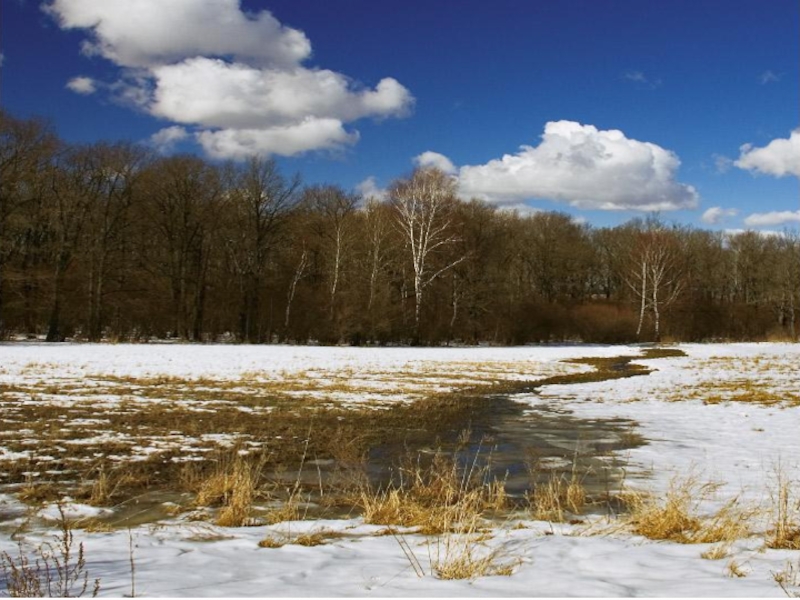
{"type": "Point", "coordinates": [655, 275]}
{"type": "Point", "coordinates": [424, 209]}
{"type": "Point", "coordinates": [334, 220]}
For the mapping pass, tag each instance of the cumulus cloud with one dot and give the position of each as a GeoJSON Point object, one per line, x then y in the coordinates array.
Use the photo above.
{"type": "Point", "coordinates": [311, 134]}
{"type": "Point", "coordinates": [237, 76]}
{"type": "Point", "coordinates": [82, 85]}
{"type": "Point", "coordinates": [144, 33]}
{"type": "Point", "coordinates": [165, 139]}
{"type": "Point", "coordinates": [434, 159]}
{"type": "Point", "coordinates": [245, 97]}
{"type": "Point", "coordinates": [584, 167]}
{"type": "Point", "coordinates": [717, 214]}
{"type": "Point", "coordinates": [369, 188]}
{"type": "Point", "coordinates": [780, 157]}
{"type": "Point", "coordinates": [773, 219]}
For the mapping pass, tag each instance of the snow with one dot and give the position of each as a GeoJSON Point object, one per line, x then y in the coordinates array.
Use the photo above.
{"type": "Point", "coordinates": [741, 445]}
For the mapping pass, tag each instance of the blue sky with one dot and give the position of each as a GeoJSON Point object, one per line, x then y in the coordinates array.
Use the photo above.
{"type": "Point", "coordinates": [624, 106]}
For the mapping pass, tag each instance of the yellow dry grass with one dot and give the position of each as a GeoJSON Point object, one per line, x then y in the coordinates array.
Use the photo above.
{"type": "Point", "coordinates": [676, 516]}
{"type": "Point", "coordinates": [559, 496]}
{"type": "Point", "coordinates": [442, 497]}
{"type": "Point", "coordinates": [784, 530]}
{"type": "Point", "coordinates": [767, 380]}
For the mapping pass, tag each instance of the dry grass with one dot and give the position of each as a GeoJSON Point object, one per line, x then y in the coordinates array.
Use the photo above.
{"type": "Point", "coordinates": [734, 569]}
{"type": "Point", "coordinates": [559, 496]}
{"type": "Point", "coordinates": [785, 515]}
{"type": "Point", "coordinates": [308, 539]}
{"type": "Point", "coordinates": [789, 579]}
{"type": "Point", "coordinates": [233, 486]}
{"type": "Point", "coordinates": [676, 516]}
{"type": "Point", "coordinates": [764, 380]}
{"type": "Point", "coordinates": [442, 497]}
{"type": "Point", "coordinates": [717, 552]}
{"type": "Point", "coordinates": [53, 569]}
{"type": "Point", "coordinates": [464, 556]}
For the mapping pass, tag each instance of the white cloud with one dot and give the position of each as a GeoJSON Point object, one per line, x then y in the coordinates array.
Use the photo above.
{"type": "Point", "coordinates": [369, 188]}
{"type": "Point", "coordinates": [522, 209]}
{"type": "Point", "coordinates": [585, 167]}
{"type": "Point", "coordinates": [310, 134]}
{"type": "Point", "coordinates": [82, 85]}
{"type": "Point", "coordinates": [145, 33]}
{"type": "Point", "coordinates": [434, 159]}
{"type": "Point", "coordinates": [165, 139]}
{"type": "Point", "coordinates": [239, 77]}
{"type": "Point", "coordinates": [780, 157]}
{"type": "Point", "coordinates": [717, 214]}
{"type": "Point", "coordinates": [765, 233]}
{"type": "Point", "coordinates": [213, 93]}
{"type": "Point", "coordinates": [772, 219]}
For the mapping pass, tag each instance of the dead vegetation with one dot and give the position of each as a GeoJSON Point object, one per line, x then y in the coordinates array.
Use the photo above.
{"type": "Point", "coordinates": [107, 439]}
{"type": "Point", "coordinates": [760, 380]}
{"type": "Point", "coordinates": [676, 516]}
{"type": "Point", "coordinates": [50, 569]}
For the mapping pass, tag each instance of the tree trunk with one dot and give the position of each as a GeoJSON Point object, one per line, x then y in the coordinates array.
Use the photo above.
{"type": "Point", "coordinates": [54, 326]}
{"type": "Point", "coordinates": [644, 299]}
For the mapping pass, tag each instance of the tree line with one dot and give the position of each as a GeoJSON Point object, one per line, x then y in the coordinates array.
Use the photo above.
{"type": "Point", "coordinates": [111, 241]}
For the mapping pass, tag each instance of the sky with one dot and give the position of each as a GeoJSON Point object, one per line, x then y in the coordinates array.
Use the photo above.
{"type": "Point", "coordinates": [604, 109]}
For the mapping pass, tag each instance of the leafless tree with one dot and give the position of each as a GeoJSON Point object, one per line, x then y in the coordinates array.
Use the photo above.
{"type": "Point", "coordinates": [184, 196]}
{"type": "Point", "coordinates": [119, 167]}
{"type": "Point", "coordinates": [334, 211]}
{"type": "Point", "coordinates": [655, 275]}
{"type": "Point", "coordinates": [424, 206]}
{"type": "Point", "coordinates": [27, 148]}
{"type": "Point", "coordinates": [260, 201]}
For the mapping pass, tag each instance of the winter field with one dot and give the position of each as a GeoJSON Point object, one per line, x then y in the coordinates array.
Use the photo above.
{"type": "Point", "coordinates": [240, 470]}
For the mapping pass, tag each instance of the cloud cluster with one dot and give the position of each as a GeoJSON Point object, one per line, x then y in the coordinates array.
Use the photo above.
{"type": "Point", "coordinates": [82, 85]}
{"type": "Point", "coordinates": [166, 139]}
{"type": "Point", "coordinates": [717, 214]}
{"type": "Point", "coordinates": [239, 78]}
{"type": "Point", "coordinates": [584, 167]}
{"type": "Point", "coordinates": [773, 219]}
{"type": "Point", "coordinates": [779, 158]}
{"type": "Point", "coordinates": [436, 160]}
{"type": "Point", "coordinates": [369, 188]}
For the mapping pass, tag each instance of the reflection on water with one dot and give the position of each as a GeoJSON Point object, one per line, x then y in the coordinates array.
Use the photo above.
{"type": "Point", "coordinates": [523, 446]}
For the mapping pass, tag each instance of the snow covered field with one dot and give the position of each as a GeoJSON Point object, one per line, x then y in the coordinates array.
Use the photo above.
{"type": "Point", "coordinates": [725, 414]}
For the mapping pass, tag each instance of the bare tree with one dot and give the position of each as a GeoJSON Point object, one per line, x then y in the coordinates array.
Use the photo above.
{"type": "Point", "coordinates": [183, 195]}
{"type": "Point", "coordinates": [27, 148]}
{"type": "Point", "coordinates": [424, 206]}
{"type": "Point", "coordinates": [119, 166]}
{"type": "Point", "coordinates": [655, 275]}
{"type": "Point", "coordinates": [334, 212]}
{"type": "Point", "coordinates": [260, 201]}
{"type": "Point", "coordinates": [377, 223]}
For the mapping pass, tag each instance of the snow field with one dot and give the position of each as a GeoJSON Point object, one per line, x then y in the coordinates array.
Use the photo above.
{"type": "Point", "coordinates": [739, 444]}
